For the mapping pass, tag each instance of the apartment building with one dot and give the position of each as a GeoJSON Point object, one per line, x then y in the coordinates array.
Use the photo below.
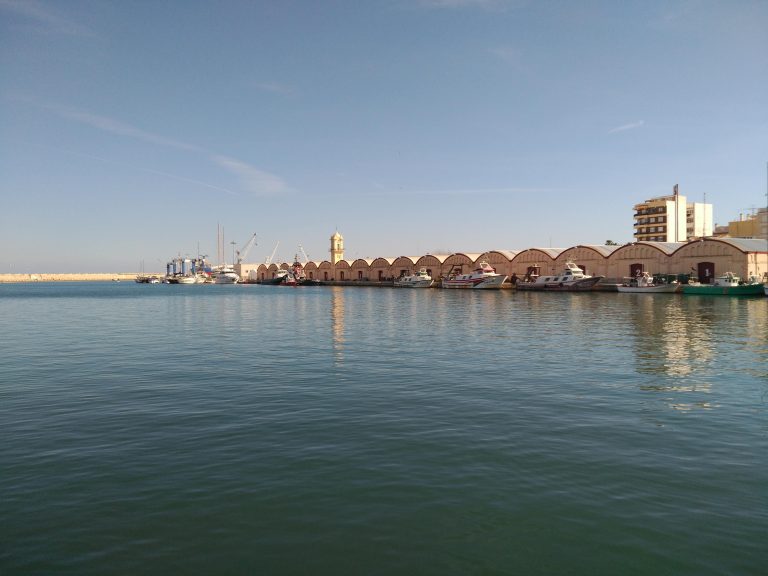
{"type": "Point", "coordinates": [672, 219]}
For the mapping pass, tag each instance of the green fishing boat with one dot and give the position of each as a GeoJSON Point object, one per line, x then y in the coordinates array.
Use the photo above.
{"type": "Point", "coordinates": [726, 285]}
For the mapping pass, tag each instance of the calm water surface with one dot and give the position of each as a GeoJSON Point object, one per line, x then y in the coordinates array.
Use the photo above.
{"type": "Point", "coordinates": [254, 429]}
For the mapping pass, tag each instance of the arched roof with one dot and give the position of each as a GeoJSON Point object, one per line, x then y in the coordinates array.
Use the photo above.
{"type": "Point", "coordinates": [602, 249]}
{"type": "Point", "coordinates": [551, 253]}
{"type": "Point", "coordinates": [411, 259]}
{"type": "Point", "coordinates": [471, 256]}
{"type": "Point", "coordinates": [666, 247]}
{"type": "Point", "coordinates": [362, 262]}
{"type": "Point", "coordinates": [439, 257]}
{"type": "Point", "coordinates": [384, 261]}
{"type": "Point", "coordinates": [744, 244]}
{"type": "Point", "coordinates": [508, 254]}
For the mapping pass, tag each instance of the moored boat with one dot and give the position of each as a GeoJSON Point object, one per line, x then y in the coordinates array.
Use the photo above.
{"type": "Point", "coordinates": [726, 285]}
{"type": "Point", "coordinates": [644, 284]}
{"type": "Point", "coordinates": [419, 279]}
{"type": "Point", "coordinates": [482, 277]}
{"type": "Point", "coordinates": [279, 278]}
{"type": "Point", "coordinates": [226, 275]}
{"type": "Point", "coordinates": [572, 279]}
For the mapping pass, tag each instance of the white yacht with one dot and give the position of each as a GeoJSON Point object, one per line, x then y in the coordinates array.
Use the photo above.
{"type": "Point", "coordinates": [420, 279]}
{"type": "Point", "coordinates": [226, 275]}
{"type": "Point", "coordinates": [572, 278]}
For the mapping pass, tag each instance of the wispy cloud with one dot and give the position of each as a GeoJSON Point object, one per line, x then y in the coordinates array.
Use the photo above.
{"type": "Point", "coordinates": [117, 127]}
{"type": "Point", "coordinates": [45, 16]}
{"type": "Point", "coordinates": [252, 179]}
{"type": "Point", "coordinates": [159, 172]}
{"type": "Point", "coordinates": [625, 127]}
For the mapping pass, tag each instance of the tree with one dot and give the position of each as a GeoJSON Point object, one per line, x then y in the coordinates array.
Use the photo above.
{"type": "Point", "coordinates": [610, 243]}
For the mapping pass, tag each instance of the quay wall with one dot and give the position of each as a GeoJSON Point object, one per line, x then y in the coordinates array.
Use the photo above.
{"type": "Point", "coordinates": [95, 277]}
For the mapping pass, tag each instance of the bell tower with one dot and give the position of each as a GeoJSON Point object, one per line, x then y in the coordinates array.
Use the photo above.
{"type": "Point", "coordinates": [337, 247]}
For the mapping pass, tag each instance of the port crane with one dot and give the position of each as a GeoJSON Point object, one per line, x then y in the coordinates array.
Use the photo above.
{"type": "Point", "coordinates": [241, 254]}
{"type": "Point", "coordinates": [269, 260]}
{"type": "Point", "coordinates": [303, 254]}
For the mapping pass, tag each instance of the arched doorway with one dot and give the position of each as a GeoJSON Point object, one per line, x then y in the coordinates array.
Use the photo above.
{"type": "Point", "coordinates": [706, 272]}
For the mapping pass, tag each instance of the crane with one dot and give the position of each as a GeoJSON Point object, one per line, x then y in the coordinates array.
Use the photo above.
{"type": "Point", "coordinates": [304, 254]}
{"type": "Point", "coordinates": [269, 260]}
{"type": "Point", "coordinates": [241, 254]}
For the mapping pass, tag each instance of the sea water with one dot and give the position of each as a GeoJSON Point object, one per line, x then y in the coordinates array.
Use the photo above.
{"type": "Point", "coordinates": [161, 429]}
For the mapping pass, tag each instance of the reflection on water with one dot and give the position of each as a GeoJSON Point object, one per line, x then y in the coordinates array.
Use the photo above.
{"type": "Point", "coordinates": [679, 343]}
{"type": "Point", "coordinates": [337, 324]}
{"type": "Point", "coordinates": [673, 340]}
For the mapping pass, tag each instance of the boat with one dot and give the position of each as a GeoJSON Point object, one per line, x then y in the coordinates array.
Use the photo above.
{"type": "Point", "coordinates": [278, 279]}
{"type": "Point", "coordinates": [571, 279]}
{"type": "Point", "coordinates": [226, 275]}
{"type": "Point", "coordinates": [726, 285]}
{"type": "Point", "coordinates": [766, 289]}
{"type": "Point", "coordinates": [482, 277]}
{"type": "Point", "coordinates": [420, 279]}
{"type": "Point", "coordinates": [643, 284]}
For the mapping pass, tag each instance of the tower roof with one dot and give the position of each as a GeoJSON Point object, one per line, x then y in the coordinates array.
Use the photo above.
{"type": "Point", "coordinates": [337, 236]}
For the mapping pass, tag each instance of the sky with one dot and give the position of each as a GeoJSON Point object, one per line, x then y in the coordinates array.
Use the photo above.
{"type": "Point", "coordinates": [131, 131]}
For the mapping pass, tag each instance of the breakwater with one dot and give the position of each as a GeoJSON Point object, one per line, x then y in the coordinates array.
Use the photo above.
{"type": "Point", "coordinates": [95, 277]}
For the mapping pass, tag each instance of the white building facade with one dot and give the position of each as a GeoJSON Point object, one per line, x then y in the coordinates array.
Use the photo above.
{"type": "Point", "coordinates": [672, 219]}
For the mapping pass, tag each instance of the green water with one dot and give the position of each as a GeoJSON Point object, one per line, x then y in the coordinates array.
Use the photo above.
{"type": "Point", "coordinates": [251, 429]}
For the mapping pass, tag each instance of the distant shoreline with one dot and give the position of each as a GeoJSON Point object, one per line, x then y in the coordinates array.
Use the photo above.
{"type": "Point", "coordinates": [94, 277]}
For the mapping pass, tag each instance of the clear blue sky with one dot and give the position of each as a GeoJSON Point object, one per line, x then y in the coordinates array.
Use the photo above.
{"type": "Point", "coordinates": [129, 129]}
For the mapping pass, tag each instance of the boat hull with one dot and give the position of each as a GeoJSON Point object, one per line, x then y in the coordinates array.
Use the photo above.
{"type": "Point", "coordinates": [414, 284]}
{"type": "Point", "coordinates": [274, 281]}
{"type": "Point", "coordinates": [583, 285]}
{"type": "Point", "coordinates": [488, 283]}
{"type": "Point", "coordinates": [713, 290]}
{"type": "Point", "coordinates": [226, 279]}
{"type": "Point", "coordinates": [658, 289]}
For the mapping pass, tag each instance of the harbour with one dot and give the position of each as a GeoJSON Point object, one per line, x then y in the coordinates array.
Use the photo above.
{"type": "Point", "coordinates": [222, 429]}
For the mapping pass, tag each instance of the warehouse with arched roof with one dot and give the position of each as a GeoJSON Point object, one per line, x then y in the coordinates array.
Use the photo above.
{"type": "Point", "coordinates": [459, 263]}
{"type": "Point", "coordinates": [499, 260]}
{"type": "Point", "coordinates": [704, 258]}
{"type": "Point", "coordinates": [712, 257]}
{"type": "Point", "coordinates": [629, 260]}
{"type": "Point", "coordinates": [433, 263]}
{"type": "Point", "coordinates": [592, 259]}
{"type": "Point", "coordinates": [535, 262]}
{"type": "Point", "coordinates": [381, 269]}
